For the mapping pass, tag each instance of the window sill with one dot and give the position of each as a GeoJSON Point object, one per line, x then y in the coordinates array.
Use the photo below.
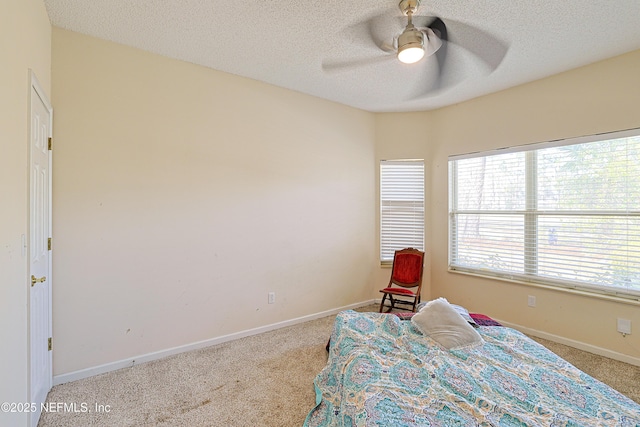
{"type": "Point", "coordinates": [601, 296]}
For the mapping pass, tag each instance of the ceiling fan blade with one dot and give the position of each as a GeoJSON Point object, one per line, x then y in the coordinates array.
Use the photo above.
{"type": "Point", "coordinates": [431, 42]}
{"type": "Point", "coordinates": [369, 33]}
{"type": "Point", "coordinates": [426, 21]}
{"type": "Point", "coordinates": [480, 43]}
{"type": "Point", "coordinates": [438, 27]}
{"type": "Point", "coordinates": [435, 81]}
{"type": "Point", "coordinates": [337, 66]}
{"type": "Point", "coordinates": [378, 31]}
{"type": "Point", "coordinates": [389, 47]}
{"type": "Point", "coordinates": [486, 47]}
{"type": "Point", "coordinates": [374, 25]}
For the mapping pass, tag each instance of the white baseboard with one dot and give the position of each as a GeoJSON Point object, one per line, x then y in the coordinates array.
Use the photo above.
{"type": "Point", "coordinates": [575, 344]}
{"type": "Point", "coordinates": [127, 363]}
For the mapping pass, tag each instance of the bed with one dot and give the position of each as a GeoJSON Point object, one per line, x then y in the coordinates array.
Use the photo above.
{"type": "Point", "coordinates": [384, 371]}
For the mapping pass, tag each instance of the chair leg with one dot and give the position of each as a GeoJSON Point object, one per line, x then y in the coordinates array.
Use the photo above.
{"type": "Point", "coordinates": [390, 307]}
{"type": "Point", "coordinates": [382, 302]}
{"type": "Point", "coordinates": [392, 303]}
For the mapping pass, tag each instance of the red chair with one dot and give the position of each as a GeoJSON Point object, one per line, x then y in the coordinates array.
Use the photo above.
{"type": "Point", "coordinates": [406, 274]}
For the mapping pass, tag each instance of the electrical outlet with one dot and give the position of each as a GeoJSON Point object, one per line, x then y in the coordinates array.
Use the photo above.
{"type": "Point", "coordinates": [272, 297]}
{"type": "Point", "coordinates": [624, 326]}
{"type": "Point", "coordinates": [531, 301]}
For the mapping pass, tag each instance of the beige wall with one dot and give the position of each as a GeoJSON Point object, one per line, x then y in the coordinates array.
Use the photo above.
{"type": "Point", "coordinates": [183, 195]}
{"type": "Point", "coordinates": [167, 176]}
{"type": "Point", "coordinates": [26, 44]}
{"type": "Point", "coordinates": [403, 136]}
{"type": "Point", "coordinates": [602, 97]}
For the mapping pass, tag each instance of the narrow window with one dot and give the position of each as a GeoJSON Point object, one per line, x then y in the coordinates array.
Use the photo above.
{"type": "Point", "coordinates": [401, 206]}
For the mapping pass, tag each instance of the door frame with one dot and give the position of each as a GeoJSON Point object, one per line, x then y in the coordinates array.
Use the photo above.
{"type": "Point", "coordinates": [34, 86]}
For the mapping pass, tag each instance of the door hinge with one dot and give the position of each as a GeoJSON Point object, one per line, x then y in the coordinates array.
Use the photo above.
{"type": "Point", "coordinates": [50, 143]}
{"type": "Point", "coordinates": [49, 243]}
{"type": "Point", "coordinates": [49, 343]}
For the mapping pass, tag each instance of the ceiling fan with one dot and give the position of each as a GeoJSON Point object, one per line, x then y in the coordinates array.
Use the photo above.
{"type": "Point", "coordinates": [411, 46]}
{"type": "Point", "coordinates": [419, 37]}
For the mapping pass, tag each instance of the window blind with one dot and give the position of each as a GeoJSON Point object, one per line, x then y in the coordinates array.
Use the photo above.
{"type": "Point", "coordinates": [401, 206]}
{"type": "Point", "coordinates": [562, 214]}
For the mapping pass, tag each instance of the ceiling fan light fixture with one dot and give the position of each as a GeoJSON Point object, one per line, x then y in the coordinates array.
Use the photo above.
{"type": "Point", "coordinates": [410, 45]}
{"type": "Point", "coordinates": [411, 55]}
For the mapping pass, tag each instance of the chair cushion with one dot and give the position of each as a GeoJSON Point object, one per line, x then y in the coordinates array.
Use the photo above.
{"type": "Point", "coordinates": [444, 324]}
{"type": "Point", "coordinates": [398, 291]}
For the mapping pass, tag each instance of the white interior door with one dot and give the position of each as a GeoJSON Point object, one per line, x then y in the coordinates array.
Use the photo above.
{"type": "Point", "coordinates": [39, 250]}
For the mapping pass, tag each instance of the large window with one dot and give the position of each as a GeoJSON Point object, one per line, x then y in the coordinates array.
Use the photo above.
{"type": "Point", "coordinates": [401, 206]}
{"type": "Point", "coordinates": [565, 213]}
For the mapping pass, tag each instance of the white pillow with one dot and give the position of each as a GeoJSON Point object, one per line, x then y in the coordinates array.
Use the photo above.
{"type": "Point", "coordinates": [440, 321]}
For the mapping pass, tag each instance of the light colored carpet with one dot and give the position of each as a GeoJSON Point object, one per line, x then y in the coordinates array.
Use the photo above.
{"type": "Point", "coordinates": [619, 375]}
{"type": "Point", "coordinates": [263, 380]}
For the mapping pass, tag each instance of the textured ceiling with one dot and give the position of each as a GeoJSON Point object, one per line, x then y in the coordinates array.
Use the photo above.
{"type": "Point", "coordinates": [302, 45]}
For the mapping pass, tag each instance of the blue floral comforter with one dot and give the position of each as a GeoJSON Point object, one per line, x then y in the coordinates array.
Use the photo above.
{"type": "Point", "coordinates": [384, 372]}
